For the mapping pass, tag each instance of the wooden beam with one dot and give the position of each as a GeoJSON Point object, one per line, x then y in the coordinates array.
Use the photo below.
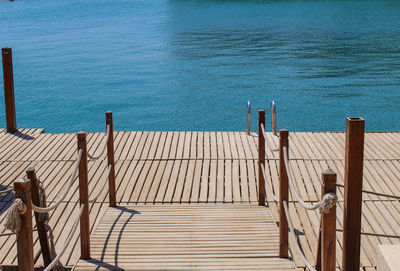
{"type": "Point", "coordinates": [110, 159]}
{"type": "Point", "coordinates": [44, 242]}
{"type": "Point", "coordinates": [283, 195]}
{"type": "Point", "coordinates": [353, 193]}
{"type": "Point", "coordinates": [261, 158]}
{"type": "Point", "coordinates": [8, 77]}
{"type": "Point", "coordinates": [84, 197]}
{"type": "Point", "coordinates": [22, 188]}
{"type": "Point", "coordinates": [328, 221]}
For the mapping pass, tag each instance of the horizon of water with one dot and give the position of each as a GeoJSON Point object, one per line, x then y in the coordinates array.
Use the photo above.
{"type": "Point", "coordinates": [165, 65]}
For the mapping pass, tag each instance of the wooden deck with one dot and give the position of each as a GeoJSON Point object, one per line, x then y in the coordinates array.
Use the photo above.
{"type": "Point", "coordinates": [186, 237]}
{"type": "Point", "coordinates": [200, 168]}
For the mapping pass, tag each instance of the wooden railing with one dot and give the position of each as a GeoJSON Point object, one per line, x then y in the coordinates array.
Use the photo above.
{"type": "Point", "coordinates": [27, 190]}
{"type": "Point", "coordinates": [326, 255]}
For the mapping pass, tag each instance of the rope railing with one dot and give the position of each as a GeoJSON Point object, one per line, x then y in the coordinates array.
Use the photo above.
{"type": "Point", "coordinates": [30, 196]}
{"type": "Point", "coordinates": [68, 240]}
{"type": "Point", "coordinates": [270, 186]}
{"type": "Point", "coordinates": [62, 197]}
{"type": "Point", "coordinates": [275, 148]}
{"type": "Point", "coordinates": [353, 177]}
{"type": "Point", "coordinates": [327, 200]}
{"type": "Point", "coordinates": [326, 205]}
{"type": "Point", "coordinates": [295, 240]}
{"type": "Point", "coordinates": [103, 184]}
{"type": "Point", "coordinates": [94, 156]}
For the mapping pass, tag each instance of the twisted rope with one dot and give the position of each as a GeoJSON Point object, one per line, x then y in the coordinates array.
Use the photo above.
{"type": "Point", "coordinates": [13, 219]}
{"type": "Point", "coordinates": [43, 217]}
{"type": "Point", "coordinates": [67, 242]}
{"type": "Point", "coordinates": [270, 185]}
{"type": "Point", "coordinates": [265, 137]}
{"type": "Point", "coordinates": [293, 235]}
{"type": "Point", "coordinates": [103, 185]}
{"type": "Point", "coordinates": [6, 191]}
{"type": "Point", "coordinates": [104, 146]}
{"type": "Point", "coordinates": [71, 180]}
{"type": "Point", "coordinates": [327, 201]}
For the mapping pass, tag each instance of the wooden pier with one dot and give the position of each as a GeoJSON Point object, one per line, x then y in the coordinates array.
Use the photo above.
{"type": "Point", "coordinates": [202, 183]}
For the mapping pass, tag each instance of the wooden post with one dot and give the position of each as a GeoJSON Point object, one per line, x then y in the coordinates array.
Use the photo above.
{"type": "Point", "coordinates": [353, 177]}
{"type": "Point", "coordinates": [8, 77]}
{"type": "Point", "coordinates": [328, 222]}
{"type": "Point", "coordinates": [84, 197]}
{"type": "Point", "coordinates": [44, 242]}
{"type": "Point", "coordinates": [22, 188]}
{"type": "Point", "coordinates": [283, 195]}
{"type": "Point", "coordinates": [261, 158]}
{"type": "Point", "coordinates": [110, 159]}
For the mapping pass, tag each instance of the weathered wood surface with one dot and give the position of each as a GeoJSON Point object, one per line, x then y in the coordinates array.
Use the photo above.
{"type": "Point", "coordinates": [201, 167]}
{"type": "Point", "coordinates": [186, 237]}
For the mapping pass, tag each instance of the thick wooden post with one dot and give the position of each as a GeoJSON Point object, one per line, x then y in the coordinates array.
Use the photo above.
{"type": "Point", "coordinates": [110, 159]}
{"type": "Point", "coordinates": [8, 77]}
{"type": "Point", "coordinates": [22, 188]}
{"type": "Point", "coordinates": [283, 195]}
{"type": "Point", "coordinates": [353, 193]}
{"type": "Point", "coordinates": [44, 242]}
{"type": "Point", "coordinates": [261, 158]}
{"type": "Point", "coordinates": [84, 197]}
{"type": "Point", "coordinates": [328, 222]}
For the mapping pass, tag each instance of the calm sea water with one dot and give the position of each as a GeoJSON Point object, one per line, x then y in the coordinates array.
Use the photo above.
{"type": "Point", "coordinates": [192, 65]}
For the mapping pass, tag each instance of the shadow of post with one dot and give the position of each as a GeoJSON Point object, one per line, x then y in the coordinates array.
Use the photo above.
{"type": "Point", "coordinates": [100, 262]}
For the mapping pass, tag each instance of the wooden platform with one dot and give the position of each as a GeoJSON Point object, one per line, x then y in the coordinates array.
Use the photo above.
{"type": "Point", "coordinates": [202, 168]}
{"type": "Point", "coordinates": [186, 237]}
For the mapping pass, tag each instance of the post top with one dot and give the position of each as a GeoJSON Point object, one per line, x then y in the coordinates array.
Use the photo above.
{"type": "Point", "coordinates": [283, 133]}
{"type": "Point", "coordinates": [353, 119]}
{"type": "Point", "coordinates": [109, 113]}
{"type": "Point", "coordinates": [329, 171]}
{"type": "Point", "coordinates": [261, 110]}
{"type": "Point", "coordinates": [22, 185]}
{"type": "Point", "coordinates": [5, 49]}
{"type": "Point", "coordinates": [30, 171]}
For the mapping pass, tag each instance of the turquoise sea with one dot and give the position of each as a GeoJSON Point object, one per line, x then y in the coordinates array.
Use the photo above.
{"type": "Point", "coordinates": [193, 64]}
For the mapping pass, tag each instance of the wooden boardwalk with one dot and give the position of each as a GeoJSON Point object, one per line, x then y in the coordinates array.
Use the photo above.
{"type": "Point", "coordinates": [186, 237]}
{"type": "Point", "coordinates": [212, 168]}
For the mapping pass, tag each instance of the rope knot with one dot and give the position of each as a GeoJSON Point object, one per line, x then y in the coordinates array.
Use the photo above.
{"type": "Point", "coordinates": [328, 201]}
{"type": "Point", "coordinates": [13, 220]}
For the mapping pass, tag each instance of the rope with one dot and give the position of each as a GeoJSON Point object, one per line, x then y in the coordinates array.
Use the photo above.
{"type": "Point", "coordinates": [13, 219]}
{"type": "Point", "coordinates": [53, 253]}
{"type": "Point", "coordinates": [104, 146]}
{"type": "Point", "coordinates": [374, 193]}
{"type": "Point", "coordinates": [265, 137]}
{"type": "Point", "coordinates": [375, 234]}
{"type": "Point", "coordinates": [270, 188]}
{"type": "Point", "coordinates": [103, 185]}
{"type": "Point", "coordinates": [6, 191]}
{"type": "Point", "coordinates": [327, 201]}
{"type": "Point", "coordinates": [43, 217]}
{"type": "Point", "coordinates": [293, 235]}
{"type": "Point", "coordinates": [69, 238]}
{"type": "Point", "coordinates": [55, 204]}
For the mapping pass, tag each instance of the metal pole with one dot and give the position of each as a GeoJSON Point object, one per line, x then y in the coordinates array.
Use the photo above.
{"type": "Point", "coordinates": [273, 117]}
{"type": "Point", "coordinates": [248, 117]}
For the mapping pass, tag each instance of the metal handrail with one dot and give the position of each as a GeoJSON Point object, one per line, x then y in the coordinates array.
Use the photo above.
{"type": "Point", "coordinates": [273, 117]}
{"type": "Point", "coordinates": [248, 112]}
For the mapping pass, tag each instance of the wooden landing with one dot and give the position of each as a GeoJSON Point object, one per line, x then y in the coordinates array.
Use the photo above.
{"type": "Point", "coordinates": [201, 168]}
{"type": "Point", "coordinates": [186, 237]}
